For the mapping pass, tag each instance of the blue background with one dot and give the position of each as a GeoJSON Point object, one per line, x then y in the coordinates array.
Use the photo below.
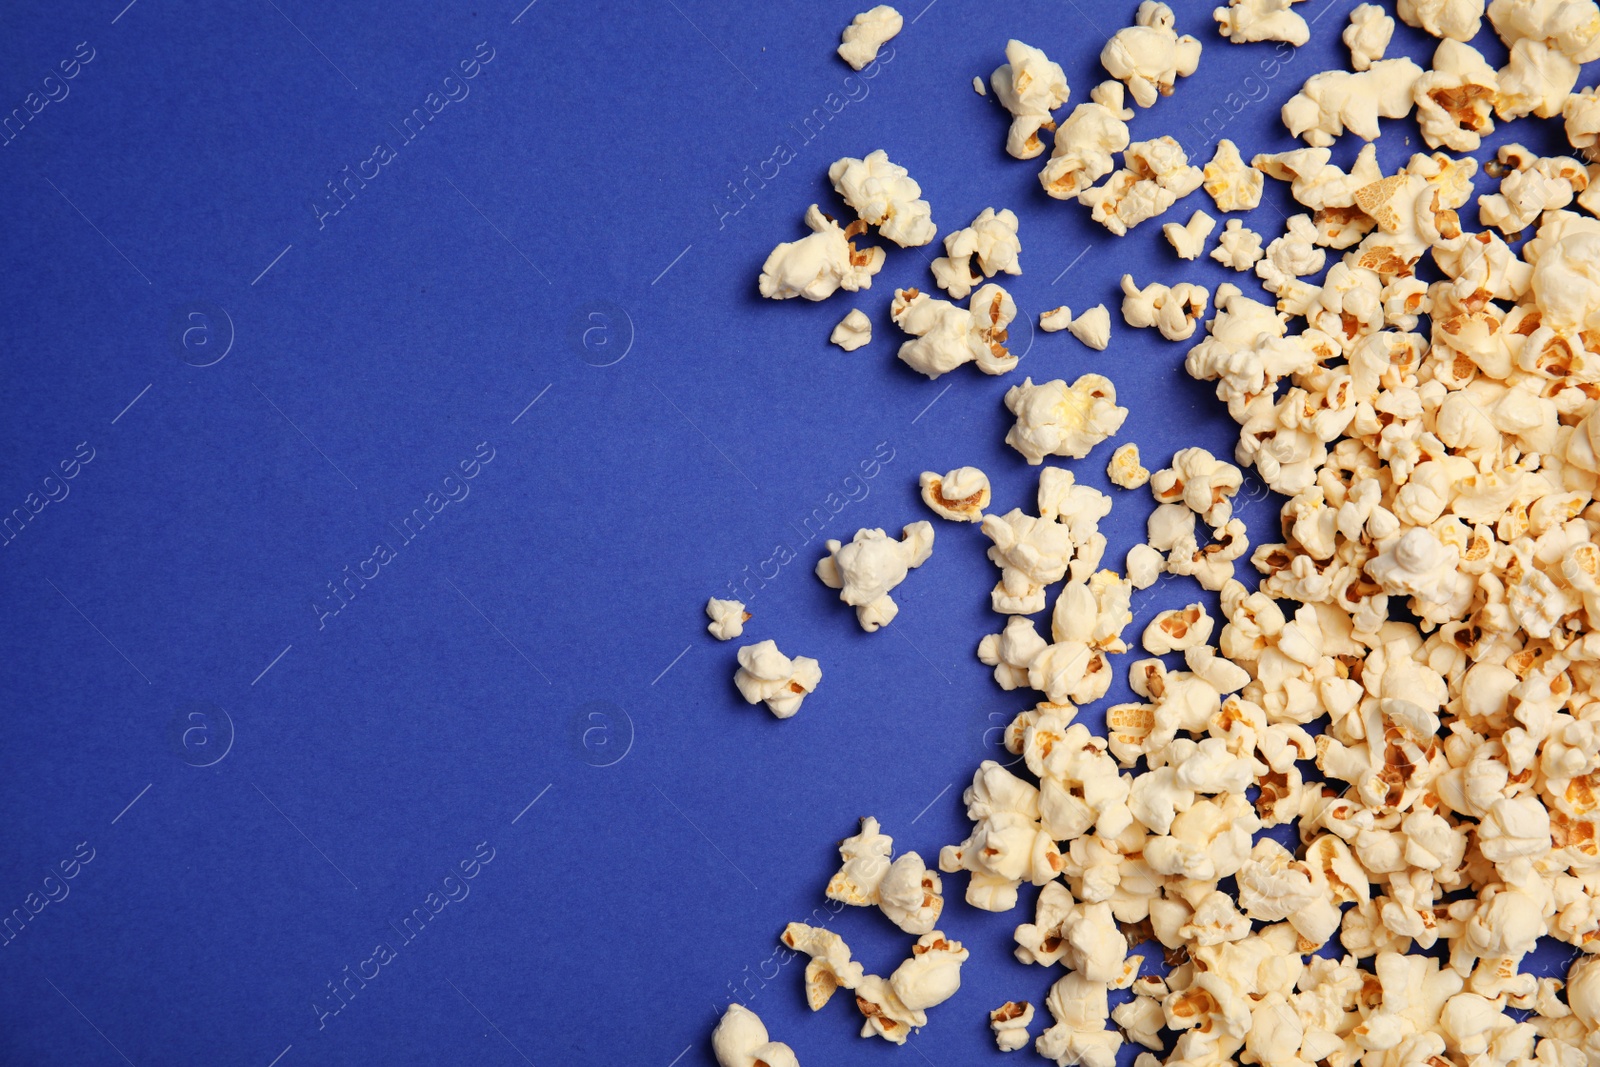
{"type": "Point", "coordinates": [565, 233]}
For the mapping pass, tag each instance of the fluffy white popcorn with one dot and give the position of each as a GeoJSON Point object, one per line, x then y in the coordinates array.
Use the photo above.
{"type": "Point", "coordinates": [1144, 566]}
{"type": "Point", "coordinates": [1335, 101]}
{"type": "Point", "coordinates": [727, 618]}
{"type": "Point", "coordinates": [1093, 327]}
{"type": "Point", "coordinates": [1549, 41]}
{"type": "Point", "coordinates": [1173, 310]}
{"type": "Point", "coordinates": [867, 33]}
{"type": "Point", "coordinates": [1455, 97]}
{"type": "Point", "coordinates": [884, 195]}
{"type": "Point", "coordinates": [740, 1040]}
{"type": "Point", "coordinates": [1189, 239]}
{"type": "Point", "coordinates": [1201, 482]}
{"type": "Point", "coordinates": [944, 336]}
{"type": "Point", "coordinates": [867, 569]}
{"type": "Point", "coordinates": [1238, 247]}
{"type": "Point", "coordinates": [865, 862]}
{"type": "Point", "coordinates": [1457, 20]}
{"type": "Point", "coordinates": [1124, 470]}
{"type": "Point", "coordinates": [1368, 35]}
{"type": "Point", "coordinates": [853, 331]}
{"type": "Point", "coordinates": [1154, 175]}
{"type": "Point", "coordinates": [1010, 1022]}
{"type": "Point", "coordinates": [1057, 419]}
{"type": "Point", "coordinates": [767, 676]}
{"type": "Point", "coordinates": [1149, 56]}
{"type": "Point", "coordinates": [909, 895]}
{"type": "Point", "coordinates": [1229, 182]}
{"type": "Point", "coordinates": [818, 266]}
{"type": "Point", "coordinates": [1056, 319]}
{"type": "Point", "coordinates": [986, 248]}
{"type": "Point", "coordinates": [1177, 630]}
{"type": "Point", "coordinates": [1085, 144]}
{"type": "Point", "coordinates": [933, 973]}
{"type": "Point", "coordinates": [1532, 185]}
{"type": "Point", "coordinates": [1243, 21]}
{"type": "Point", "coordinates": [959, 495]}
{"type": "Point", "coordinates": [1079, 1037]}
{"type": "Point", "coordinates": [830, 968]}
{"type": "Point", "coordinates": [1029, 86]}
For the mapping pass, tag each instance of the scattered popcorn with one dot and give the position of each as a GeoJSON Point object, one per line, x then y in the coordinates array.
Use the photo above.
{"type": "Point", "coordinates": [1455, 97]}
{"type": "Point", "coordinates": [1055, 419]}
{"type": "Point", "coordinates": [1532, 185]}
{"type": "Point", "coordinates": [1029, 86]}
{"type": "Point", "coordinates": [1581, 114]}
{"type": "Point", "coordinates": [1549, 41]}
{"type": "Point", "coordinates": [1201, 482]}
{"type": "Point", "coordinates": [1173, 310]}
{"type": "Point", "coordinates": [853, 331]}
{"type": "Point", "coordinates": [884, 195]}
{"type": "Point", "coordinates": [944, 336]}
{"type": "Point", "coordinates": [727, 618]}
{"type": "Point", "coordinates": [1294, 255]}
{"type": "Point", "coordinates": [1238, 247]}
{"type": "Point", "coordinates": [1368, 35]}
{"type": "Point", "coordinates": [1056, 319]}
{"type": "Point", "coordinates": [1149, 56]}
{"type": "Point", "coordinates": [986, 248]}
{"type": "Point", "coordinates": [1334, 101]}
{"type": "Point", "coordinates": [740, 1040]}
{"type": "Point", "coordinates": [1093, 327]}
{"type": "Point", "coordinates": [767, 676]}
{"type": "Point", "coordinates": [1124, 470]}
{"type": "Point", "coordinates": [1010, 1022]}
{"type": "Point", "coordinates": [867, 33]}
{"type": "Point", "coordinates": [1243, 21]}
{"type": "Point", "coordinates": [870, 566]}
{"type": "Point", "coordinates": [866, 861]}
{"type": "Point", "coordinates": [960, 495]}
{"type": "Point", "coordinates": [1234, 186]}
{"type": "Point", "coordinates": [817, 266]}
{"type": "Point", "coordinates": [1177, 630]}
{"type": "Point", "coordinates": [1079, 1037]}
{"type": "Point", "coordinates": [1457, 20]}
{"type": "Point", "coordinates": [933, 973]}
{"type": "Point", "coordinates": [1155, 174]}
{"type": "Point", "coordinates": [1189, 239]}
{"type": "Point", "coordinates": [1086, 142]}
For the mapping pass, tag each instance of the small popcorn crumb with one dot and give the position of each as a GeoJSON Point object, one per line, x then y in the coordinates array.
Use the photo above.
{"type": "Point", "coordinates": [727, 618]}
{"type": "Point", "coordinates": [868, 32]}
{"type": "Point", "coordinates": [853, 331]}
{"type": "Point", "coordinates": [959, 495]}
{"type": "Point", "coordinates": [1093, 327]}
{"type": "Point", "coordinates": [1124, 469]}
{"type": "Point", "coordinates": [1055, 319]}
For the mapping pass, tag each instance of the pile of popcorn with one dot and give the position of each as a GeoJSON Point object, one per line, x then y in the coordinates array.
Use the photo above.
{"type": "Point", "coordinates": [1413, 687]}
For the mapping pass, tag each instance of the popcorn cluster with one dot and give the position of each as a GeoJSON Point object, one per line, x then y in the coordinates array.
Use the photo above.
{"type": "Point", "coordinates": [1409, 697]}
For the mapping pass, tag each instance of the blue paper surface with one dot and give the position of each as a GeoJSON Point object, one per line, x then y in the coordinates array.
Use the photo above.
{"type": "Point", "coordinates": [409, 369]}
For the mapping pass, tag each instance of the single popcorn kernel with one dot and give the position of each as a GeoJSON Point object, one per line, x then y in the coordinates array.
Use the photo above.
{"type": "Point", "coordinates": [1124, 470]}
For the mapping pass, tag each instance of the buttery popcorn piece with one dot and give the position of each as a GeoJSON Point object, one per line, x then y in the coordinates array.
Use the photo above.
{"type": "Point", "coordinates": [1124, 469]}
{"type": "Point", "coordinates": [884, 195]}
{"type": "Point", "coordinates": [868, 32]}
{"type": "Point", "coordinates": [978, 86]}
{"type": "Point", "coordinates": [1029, 86]}
{"type": "Point", "coordinates": [944, 336]}
{"type": "Point", "coordinates": [933, 973]}
{"type": "Point", "coordinates": [727, 618]}
{"type": "Point", "coordinates": [1368, 35]}
{"type": "Point", "coordinates": [1335, 101]}
{"type": "Point", "coordinates": [1243, 21]}
{"type": "Point", "coordinates": [1229, 182]}
{"type": "Point", "coordinates": [986, 248]}
{"type": "Point", "coordinates": [740, 1040]}
{"type": "Point", "coordinates": [870, 566]}
{"type": "Point", "coordinates": [853, 331]}
{"type": "Point", "coordinates": [817, 266]}
{"type": "Point", "coordinates": [831, 967]}
{"type": "Point", "coordinates": [1457, 20]}
{"type": "Point", "coordinates": [1010, 1022]}
{"type": "Point", "coordinates": [960, 495]}
{"type": "Point", "coordinates": [1057, 419]}
{"type": "Point", "coordinates": [767, 676]}
{"type": "Point", "coordinates": [1173, 310]}
{"type": "Point", "coordinates": [1155, 174]}
{"type": "Point", "coordinates": [1093, 327]}
{"type": "Point", "coordinates": [1455, 97]}
{"type": "Point", "coordinates": [1056, 319]}
{"type": "Point", "coordinates": [1189, 239]}
{"type": "Point", "coordinates": [1086, 142]}
{"type": "Point", "coordinates": [1149, 56]}
{"type": "Point", "coordinates": [866, 861]}
{"type": "Point", "coordinates": [1238, 247]}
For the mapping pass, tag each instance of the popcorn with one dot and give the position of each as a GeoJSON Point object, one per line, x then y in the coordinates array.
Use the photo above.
{"type": "Point", "coordinates": [1177, 630]}
{"type": "Point", "coordinates": [767, 676]}
{"type": "Point", "coordinates": [831, 967]}
{"type": "Point", "coordinates": [1079, 1037]}
{"type": "Point", "coordinates": [1093, 327]}
{"type": "Point", "coordinates": [1368, 35]}
{"type": "Point", "coordinates": [960, 495]}
{"type": "Point", "coordinates": [1334, 101]}
{"type": "Point", "coordinates": [853, 331]}
{"type": "Point", "coordinates": [1187, 240]}
{"type": "Point", "coordinates": [1056, 319]}
{"type": "Point", "coordinates": [740, 1040]}
{"type": "Point", "coordinates": [1294, 255]}
{"type": "Point", "coordinates": [1454, 98]}
{"type": "Point", "coordinates": [884, 195]}
{"type": "Point", "coordinates": [1201, 482]}
{"type": "Point", "coordinates": [1055, 419]}
{"type": "Point", "coordinates": [868, 32]}
{"type": "Point", "coordinates": [1149, 56]}
{"type": "Point", "coordinates": [1085, 143]}
{"type": "Point", "coordinates": [1029, 86]}
{"type": "Point", "coordinates": [1549, 41]}
{"type": "Point", "coordinates": [909, 895]}
{"type": "Point", "coordinates": [944, 336]}
{"type": "Point", "coordinates": [1457, 20]}
{"type": "Point", "coordinates": [978, 86]}
{"type": "Point", "coordinates": [1231, 184]}
{"type": "Point", "coordinates": [727, 618]}
{"type": "Point", "coordinates": [817, 266]}
{"type": "Point", "coordinates": [1124, 469]}
{"type": "Point", "coordinates": [933, 973]}
{"type": "Point", "coordinates": [1007, 844]}
{"type": "Point", "coordinates": [885, 1015]}
{"type": "Point", "coordinates": [1155, 174]}
{"type": "Point", "coordinates": [1243, 21]}
{"type": "Point", "coordinates": [1532, 186]}
{"type": "Point", "coordinates": [1010, 1022]}
{"type": "Point", "coordinates": [1144, 566]}
{"type": "Point", "coordinates": [1238, 247]}
{"type": "Point", "coordinates": [1581, 114]}
{"type": "Point", "coordinates": [866, 861]}
{"type": "Point", "coordinates": [986, 248]}
{"type": "Point", "coordinates": [1173, 310]}
{"type": "Point", "coordinates": [870, 566]}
